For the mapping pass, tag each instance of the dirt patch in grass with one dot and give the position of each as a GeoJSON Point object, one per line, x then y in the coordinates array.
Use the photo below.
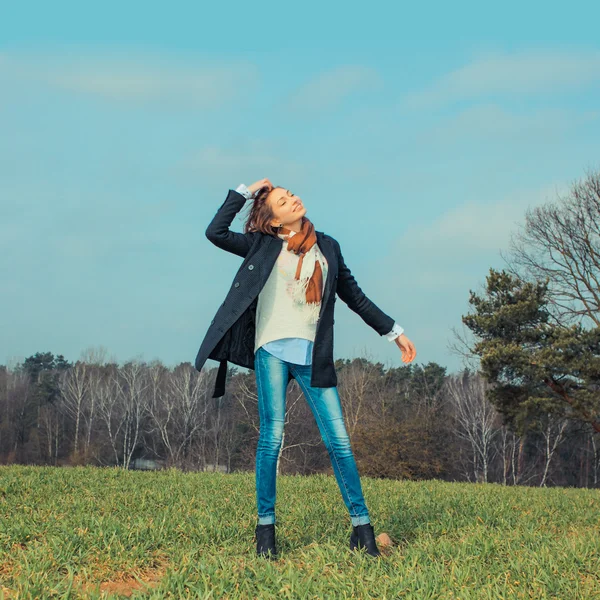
{"type": "Point", "coordinates": [125, 583]}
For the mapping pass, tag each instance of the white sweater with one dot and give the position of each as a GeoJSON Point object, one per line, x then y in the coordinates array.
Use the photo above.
{"type": "Point", "coordinates": [277, 314]}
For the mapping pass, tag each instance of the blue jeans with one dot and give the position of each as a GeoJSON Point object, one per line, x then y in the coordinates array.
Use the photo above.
{"type": "Point", "coordinates": [271, 382]}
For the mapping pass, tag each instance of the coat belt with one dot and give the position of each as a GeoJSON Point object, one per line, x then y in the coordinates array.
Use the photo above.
{"type": "Point", "coordinates": [220, 381]}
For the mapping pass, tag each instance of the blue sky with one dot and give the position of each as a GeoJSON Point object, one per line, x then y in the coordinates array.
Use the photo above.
{"type": "Point", "coordinates": [417, 136]}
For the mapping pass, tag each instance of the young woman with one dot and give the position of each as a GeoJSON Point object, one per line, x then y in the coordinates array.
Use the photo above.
{"type": "Point", "coordinates": [290, 308]}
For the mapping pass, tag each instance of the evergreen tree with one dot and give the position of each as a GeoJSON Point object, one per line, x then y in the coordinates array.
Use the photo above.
{"type": "Point", "coordinates": [536, 368]}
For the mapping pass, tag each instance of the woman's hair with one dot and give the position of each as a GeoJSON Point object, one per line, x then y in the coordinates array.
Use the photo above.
{"type": "Point", "coordinates": [260, 215]}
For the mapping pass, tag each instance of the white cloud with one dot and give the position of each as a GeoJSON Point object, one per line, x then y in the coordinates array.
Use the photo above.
{"type": "Point", "coordinates": [529, 72]}
{"type": "Point", "coordinates": [255, 158]}
{"type": "Point", "coordinates": [135, 78]}
{"type": "Point", "coordinates": [446, 254]}
{"type": "Point", "coordinates": [470, 227]}
{"type": "Point", "coordinates": [494, 122]}
{"type": "Point", "coordinates": [329, 88]}
{"type": "Point", "coordinates": [230, 159]}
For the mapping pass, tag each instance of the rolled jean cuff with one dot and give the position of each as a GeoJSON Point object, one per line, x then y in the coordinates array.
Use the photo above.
{"type": "Point", "coordinates": [267, 520]}
{"type": "Point", "coordinates": [362, 520]}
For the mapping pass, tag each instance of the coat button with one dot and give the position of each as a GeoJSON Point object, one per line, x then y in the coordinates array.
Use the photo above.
{"type": "Point", "coordinates": [236, 284]}
{"type": "Point", "coordinates": [250, 267]}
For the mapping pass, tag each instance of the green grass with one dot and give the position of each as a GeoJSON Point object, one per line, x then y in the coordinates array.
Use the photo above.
{"type": "Point", "coordinates": [89, 532]}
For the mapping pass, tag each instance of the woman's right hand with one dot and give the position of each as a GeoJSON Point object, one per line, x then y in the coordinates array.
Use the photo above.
{"type": "Point", "coordinates": [260, 184]}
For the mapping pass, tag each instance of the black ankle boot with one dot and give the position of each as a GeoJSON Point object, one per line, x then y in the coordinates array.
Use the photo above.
{"type": "Point", "coordinates": [265, 541]}
{"type": "Point", "coordinates": [362, 536]}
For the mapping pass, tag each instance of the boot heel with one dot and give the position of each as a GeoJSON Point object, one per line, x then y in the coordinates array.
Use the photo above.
{"type": "Point", "coordinates": [353, 541]}
{"type": "Point", "coordinates": [363, 536]}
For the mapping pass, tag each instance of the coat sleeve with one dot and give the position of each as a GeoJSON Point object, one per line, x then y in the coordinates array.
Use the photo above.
{"type": "Point", "coordinates": [349, 291]}
{"type": "Point", "coordinates": [218, 231]}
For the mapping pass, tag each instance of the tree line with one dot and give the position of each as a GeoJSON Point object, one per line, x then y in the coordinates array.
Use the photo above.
{"type": "Point", "coordinates": [523, 410]}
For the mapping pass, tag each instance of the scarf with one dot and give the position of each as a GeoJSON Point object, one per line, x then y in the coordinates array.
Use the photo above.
{"type": "Point", "coordinates": [307, 284]}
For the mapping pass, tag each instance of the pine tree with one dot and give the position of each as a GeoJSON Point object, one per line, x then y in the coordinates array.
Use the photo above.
{"type": "Point", "coordinates": [536, 368]}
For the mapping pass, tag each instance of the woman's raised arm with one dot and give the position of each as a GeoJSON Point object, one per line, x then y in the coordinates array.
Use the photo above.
{"type": "Point", "coordinates": [218, 231]}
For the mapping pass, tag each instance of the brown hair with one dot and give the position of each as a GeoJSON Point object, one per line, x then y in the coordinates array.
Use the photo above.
{"type": "Point", "coordinates": [260, 215]}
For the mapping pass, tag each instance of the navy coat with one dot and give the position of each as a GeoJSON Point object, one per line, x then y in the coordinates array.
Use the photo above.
{"type": "Point", "coordinates": [231, 334]}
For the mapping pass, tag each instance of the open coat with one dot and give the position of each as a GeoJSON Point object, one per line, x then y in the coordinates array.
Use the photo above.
{"type": "Point", "coordinates": [231, 334]}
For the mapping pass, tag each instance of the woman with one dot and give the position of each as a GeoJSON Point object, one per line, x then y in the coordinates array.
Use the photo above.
{"type": "Point", "coordinates": [288, 309]}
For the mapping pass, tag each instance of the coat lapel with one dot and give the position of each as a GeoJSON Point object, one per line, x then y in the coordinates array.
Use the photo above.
{"type": "Point", "coordinates": [328, 250]}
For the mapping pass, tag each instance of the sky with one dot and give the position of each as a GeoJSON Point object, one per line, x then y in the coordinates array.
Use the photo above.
{"type": "Point", "coordinates": [416, 135]}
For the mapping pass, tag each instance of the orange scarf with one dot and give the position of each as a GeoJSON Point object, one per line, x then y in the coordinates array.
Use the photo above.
{"type": "Point", "coordinates": [300, 243]}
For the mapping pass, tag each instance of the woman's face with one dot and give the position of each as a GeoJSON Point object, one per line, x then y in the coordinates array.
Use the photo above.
{"type": "Point", "coordinates": [287, 207]}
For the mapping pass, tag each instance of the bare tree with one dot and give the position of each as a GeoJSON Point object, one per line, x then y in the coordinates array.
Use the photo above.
{"type": "Point", "coordinates": [189, 389]}
{"type": "Point", "coordinates": [511, 463]}
{"type": "Point", "coordinates": [561, 241]}
{"type": "Point", "coordinates": [355, 388]}
{"type": "Point", "coordinates": [131, 385]}
{"type": "Point", "coordinates": [75, 386]}
{"type": "Point", "coordinates": [177, 408]}
{"type": "Point", "coordinates": [19, 401]}
{"type": "Point", "coordinates": [96, 355]}
{"type": "Point", "coordinates": [247, 398]}
{"type": "Point", "coordinates": [475, 417]}
{"type": "Point", "coordinates": [97, 358]}
{"type": "Point", "coordinates": [105, 391]}
{"type": "Point", "coordinates": [95, 381]}
{"type": "Point", "coordinates": [51, 429]}
{"type": "Point", "coordinates": [553, 435]}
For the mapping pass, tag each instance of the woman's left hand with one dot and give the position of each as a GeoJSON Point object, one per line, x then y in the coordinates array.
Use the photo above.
{"type": "Point", "coordinates": [407, 347]}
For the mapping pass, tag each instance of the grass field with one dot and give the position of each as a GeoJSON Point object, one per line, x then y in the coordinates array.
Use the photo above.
{"type": "Point", "coordinates": [87, 532]}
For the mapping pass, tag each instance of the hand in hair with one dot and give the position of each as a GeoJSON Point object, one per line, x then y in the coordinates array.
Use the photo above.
{"type": "Point", "coordinates": [254, 187]}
